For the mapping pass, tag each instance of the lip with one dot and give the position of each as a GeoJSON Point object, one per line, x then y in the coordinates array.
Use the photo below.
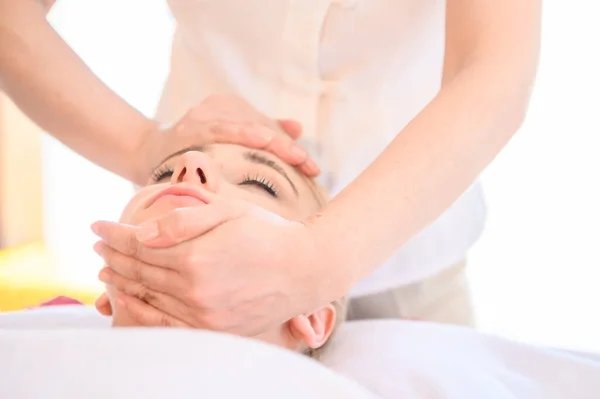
{"type": "Point", "coordinates": [180, 191]}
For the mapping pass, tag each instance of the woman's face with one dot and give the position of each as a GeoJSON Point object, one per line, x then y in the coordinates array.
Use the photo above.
{"type": "Point", "coordinates": [195, 176]}
{"type": "Point", "coordinates": [190, 177]}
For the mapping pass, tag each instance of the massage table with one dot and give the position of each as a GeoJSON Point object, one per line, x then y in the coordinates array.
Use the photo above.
{"type": "Point", "coordinates": [70, 352]}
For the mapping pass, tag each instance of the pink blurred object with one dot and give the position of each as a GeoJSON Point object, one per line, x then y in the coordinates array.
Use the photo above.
{"type": "Point", "coordinates": [60, 300]}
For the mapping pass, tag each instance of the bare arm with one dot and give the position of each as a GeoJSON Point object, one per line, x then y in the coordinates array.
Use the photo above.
{"type": "Point", "coordinates": [490, 64]}
{"type": "Point", "coordinates": [54, 87]}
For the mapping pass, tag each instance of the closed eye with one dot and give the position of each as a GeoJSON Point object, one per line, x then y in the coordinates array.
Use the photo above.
{"type": "Point", "coordinates": [262, 183]}
{"type": "Point", "coordinates": [161, 174]}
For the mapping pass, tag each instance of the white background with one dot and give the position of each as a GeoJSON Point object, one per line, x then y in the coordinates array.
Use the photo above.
{"type": "Point", "coordinates": [536, 270]}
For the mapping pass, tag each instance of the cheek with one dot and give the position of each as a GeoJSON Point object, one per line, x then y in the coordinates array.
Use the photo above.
{"type": "Point", "coordinates": [308, 209]}
{"type": "Point", "coordinates": [132, 214]}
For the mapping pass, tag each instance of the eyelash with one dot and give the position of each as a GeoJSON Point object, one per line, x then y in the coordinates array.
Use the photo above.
{"type": "Point", "coordinates": [261, 182]}
{"type": "Point", "coordinates": [256, 180]}
{"type": "Point", "coordinates": [160, 173]}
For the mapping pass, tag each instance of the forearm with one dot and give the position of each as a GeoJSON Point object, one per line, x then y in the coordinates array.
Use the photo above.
{"type": "Point", "coordinates": [53, 86]}
{"type": "Point", "coordinates": [425, 169]}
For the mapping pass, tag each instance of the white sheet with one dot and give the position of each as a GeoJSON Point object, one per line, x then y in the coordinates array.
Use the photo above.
{"type": "Point", "coordinates": [399, 359]}
{"type": "Point", "coordinates": [53, 317]}
{"type": "Point", "coordinates": [392, 359]}
{"type": "Point", "coordinates": [158, 363]}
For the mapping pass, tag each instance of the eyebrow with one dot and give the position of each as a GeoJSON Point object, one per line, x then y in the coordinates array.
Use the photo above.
{"type": "Point", "coordinates": [259, 159]}
{"type": "Point", "coordinates": [249, 156]}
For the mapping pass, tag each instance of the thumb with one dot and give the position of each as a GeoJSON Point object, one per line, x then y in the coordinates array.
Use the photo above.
{"type": "Point", "coordinates": [185, 224]}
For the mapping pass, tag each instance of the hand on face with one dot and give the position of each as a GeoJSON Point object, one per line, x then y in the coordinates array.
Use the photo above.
{"type": "Point", "coordinates": [228, 119]}
{"type": "Point", "coordinates": [249, 270]}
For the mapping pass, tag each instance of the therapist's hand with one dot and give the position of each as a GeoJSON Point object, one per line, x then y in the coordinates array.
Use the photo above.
{"type": "Point", "coordinates": [248, 270]}
{"type": "Point", "coordinates": [226, 119]}
{"type": "Point", "coordinates": [102, 305]}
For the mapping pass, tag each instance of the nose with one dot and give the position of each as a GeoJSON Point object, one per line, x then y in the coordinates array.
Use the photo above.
{"type": "Point", "coordinates": [195, 167]}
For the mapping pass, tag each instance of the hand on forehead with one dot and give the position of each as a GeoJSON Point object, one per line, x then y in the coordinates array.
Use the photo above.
{"type": "Point", "coordinates": [235, 110]}
{"type": "Point", "coordinates": [230, 119]}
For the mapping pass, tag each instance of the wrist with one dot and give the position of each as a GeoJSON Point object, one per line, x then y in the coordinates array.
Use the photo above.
{"type": "Point", "coordinates": [336, 271]}
{"type": "Point", "coordinates": [141, 153]}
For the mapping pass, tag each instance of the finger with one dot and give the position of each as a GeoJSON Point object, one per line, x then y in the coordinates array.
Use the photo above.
{"type": "Point", "coordinates": [215, 129]}
{"type": "Point", "coordinates": [286, 150]}
{"type": "Point", "coordinates": [253, 135]}
{"type": "Point", "coordinates": [149, 243]}
{"type": "Point", "coordinates": [185, 224]}
{"type": "Point", "coordinates": [102, 305]}
{"type": "Point", "coordinates": [234, 108]}
{"type": "Point", "coordinates": [147, 315]}
{"type": "Point", "coordinates": [309, 168]}
{"type": "Point", "coordinates": [291, 127]}
{"type": "Point", "coordinates": [122, 238]}
{"type": "Point", "coordinates": [156, 299]}
{"type": "Point", "coordinates": [156, 278]}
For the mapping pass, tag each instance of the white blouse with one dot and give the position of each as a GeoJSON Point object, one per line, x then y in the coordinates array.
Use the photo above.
{"type": "Point", "coordinates": [353, 72]}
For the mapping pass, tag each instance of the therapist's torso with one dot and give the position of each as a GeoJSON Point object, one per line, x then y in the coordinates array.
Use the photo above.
{"type": "Point", "coordinates": [353, 72]}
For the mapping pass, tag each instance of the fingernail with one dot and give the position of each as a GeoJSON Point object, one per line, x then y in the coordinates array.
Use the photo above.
{"type": "Point", "coordinates": [98, 248]}
{"type": "Point", "coordinates": [147, 232]}
{"type": "Point", "coordinates": [299, 152]}
{"type": "Point", "coordinates": [313, 166]}
{"type": "Point", "coordinates": [95, 228]}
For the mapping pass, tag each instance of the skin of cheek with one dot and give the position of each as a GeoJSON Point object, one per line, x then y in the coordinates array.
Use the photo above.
{"type": "Point", "coordinates": [132, 213]}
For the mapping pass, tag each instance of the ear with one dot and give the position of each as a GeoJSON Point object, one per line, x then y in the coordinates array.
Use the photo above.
{"type": "Point", "coordinates": [314, 328]}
